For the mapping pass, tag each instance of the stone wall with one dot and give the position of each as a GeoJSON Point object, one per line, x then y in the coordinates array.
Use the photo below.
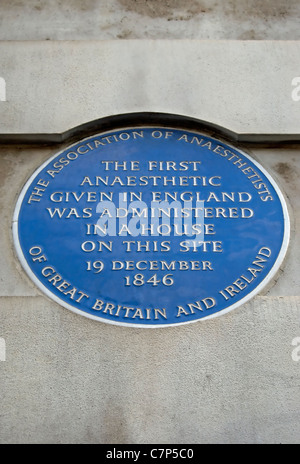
{"type": "Point", "coordinates": [68, 379]}
{"type": "Point", "coordinates": [149, 19]}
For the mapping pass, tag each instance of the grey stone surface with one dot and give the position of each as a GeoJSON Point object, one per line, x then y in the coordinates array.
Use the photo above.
{"type": "Point", "coordinates": [149, 19]}
{"type": "Point", "coordinates": [244, 86]}
{"type": "Point", "coordinates": [68, 379]}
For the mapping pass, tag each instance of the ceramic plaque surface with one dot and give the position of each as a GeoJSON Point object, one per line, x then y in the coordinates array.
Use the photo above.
{"type": "Point", "coordinates": [151, 227]}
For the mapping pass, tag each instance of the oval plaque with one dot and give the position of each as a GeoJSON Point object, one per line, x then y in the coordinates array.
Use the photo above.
{"type": "Point", "coordinates": [151, 227]}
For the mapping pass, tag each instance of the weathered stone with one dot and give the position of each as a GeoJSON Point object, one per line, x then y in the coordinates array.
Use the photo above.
{"type": "Point", "coordinates": [245, 87]}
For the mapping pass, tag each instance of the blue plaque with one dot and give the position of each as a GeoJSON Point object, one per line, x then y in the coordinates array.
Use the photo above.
{"type": "Point", "coordinates": [151, 227]}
